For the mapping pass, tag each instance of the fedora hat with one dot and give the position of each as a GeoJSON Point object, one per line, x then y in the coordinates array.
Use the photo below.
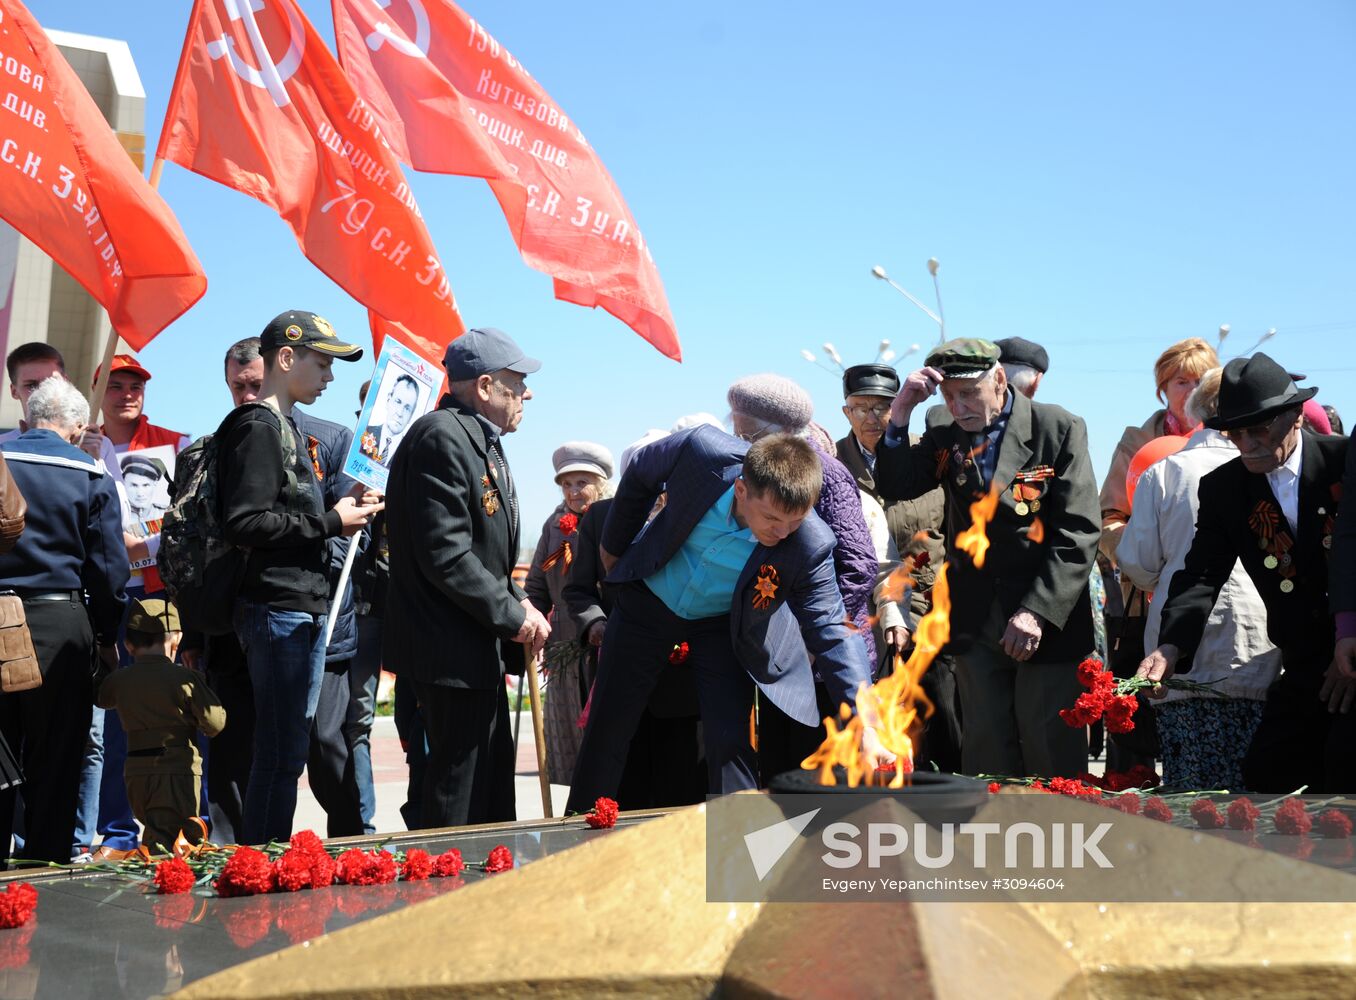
{"type": "Point", "coordinates": [1253, 390]}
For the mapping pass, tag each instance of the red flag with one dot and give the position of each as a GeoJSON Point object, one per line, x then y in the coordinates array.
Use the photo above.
{"type": "Point", "coordinates": [382, 328]}
{"type": "Point", "coordinates": [451, 100]}
{"type": "Point", "coordinates": [260, 105]}
{"type": "Point", "coordinates": [72, 189]}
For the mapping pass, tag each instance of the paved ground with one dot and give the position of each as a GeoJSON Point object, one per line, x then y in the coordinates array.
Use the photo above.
{"type": "Point", "coordinates": [390, 774]}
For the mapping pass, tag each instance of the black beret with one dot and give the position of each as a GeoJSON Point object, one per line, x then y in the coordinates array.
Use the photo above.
{"type": "Point", "coordinates": [1024, 352]}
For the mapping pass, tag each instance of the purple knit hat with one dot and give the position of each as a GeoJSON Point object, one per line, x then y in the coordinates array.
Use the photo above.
{"type": "Point", "coordinates": [771, 398]}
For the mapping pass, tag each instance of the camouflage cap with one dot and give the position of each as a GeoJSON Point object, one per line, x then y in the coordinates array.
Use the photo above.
{"type": "Point", "coordinates": [965, 357]}
{"type": "Point", "coordinates": [153, 617]}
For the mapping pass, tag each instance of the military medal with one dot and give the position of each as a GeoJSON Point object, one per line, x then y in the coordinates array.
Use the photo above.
{"type": "Point", "coordinates": [490, 501]}
{"type": "Point", "coordinates": [1270, 562]}
{"type": "Point", "coordinates": [1327, 541]}
{"type": "Point", "coordinates": [1022, 508]}
{"type": "Point", "coordinates": [1035, 505]}
{"type": "Point", "coordinates": [1287, 586]}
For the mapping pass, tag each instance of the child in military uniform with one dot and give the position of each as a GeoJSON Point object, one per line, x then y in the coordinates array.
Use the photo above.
{"type": "Point", "coordinates": [162, 706]}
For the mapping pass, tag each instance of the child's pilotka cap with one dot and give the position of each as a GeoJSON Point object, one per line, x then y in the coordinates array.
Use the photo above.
{"type": "Point", "coordinates": [153, 617]}
{"type": "Point", "coordinates": [295, 328]}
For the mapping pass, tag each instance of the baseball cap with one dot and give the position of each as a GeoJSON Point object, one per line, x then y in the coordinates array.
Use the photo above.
{"type": "Point", "coordinates": [123, 363]}
{"type": "Point", "coordinates": [485, 351]}
{"type": "Point", "coordinates": [295, 328]}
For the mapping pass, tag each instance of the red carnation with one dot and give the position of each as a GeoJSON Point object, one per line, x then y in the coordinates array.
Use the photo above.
{"type": "Point", "coordinates": [1155, 807]}
{"type": "Point", "coordinates": [247, 873]}
{"type": "Point", "coordinates": [418, 865]}
{"type": "Point", "coordinates": [603, 816]}
{"type": "Point", "coordinates": [1206, 815]}
{"type": "Point", "coordinates": [568, 523]}
{"type": "Point", "coordinates": [322, 870]}
{"type": "Point", "coordinates": [292, 871]}
{"type": "Point", "coordinates": [308, 842]}
{"type": "Point", "coordinates": [1243, 815]}
{"type": "Point", "coordinates": [1128, 804]}
{"type": "Point", "coordinates": [17, 903]}
{"type": "Point", "coordinates": [1291, 818]}
{"type": "Point", "coordinates": [500, 860]}
{"type": "Point", "coordinates": [1119, 713]}
{"type": "Point", "coordinates": [174, 876]}
{"type": "Point", "coordinates": [357, 867]}
{"type": "Point", "coordinates": [1069, 786]}
{"type": "Point", "coordinates": [1088, 671]}
{"type": "Point", "coordinates": [1334, 825]}
{"type": "Point", "coordinates": [679, 653]}
{"type": "Point", "coordinates": [448, 864]}
{"type": "Point", "coordinates": [994, 786]}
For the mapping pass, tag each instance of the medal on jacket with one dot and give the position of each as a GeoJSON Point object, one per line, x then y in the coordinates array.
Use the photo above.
{"type": "Point", "coordinates": [490, 501]}
{"type": "Point", "coordinates": [1028, 486]}
{"type": "Point", "coordinates": [765, 590]}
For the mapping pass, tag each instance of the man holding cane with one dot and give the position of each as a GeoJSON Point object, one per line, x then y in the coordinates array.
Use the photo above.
{"type": "Point", "coordinates": [452, 607]}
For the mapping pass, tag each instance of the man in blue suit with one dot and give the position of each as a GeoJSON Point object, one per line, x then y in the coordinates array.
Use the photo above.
{"type": "Point", "coordinates": [738, 566]}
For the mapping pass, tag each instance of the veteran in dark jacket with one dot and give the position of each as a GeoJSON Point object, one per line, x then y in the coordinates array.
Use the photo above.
{"type": "Point", "coordinates": [1020, 623]}
{"type": "Point", "coordinates": [1276, 508]}
{"type": "Point", "coordinates": [453, 611]}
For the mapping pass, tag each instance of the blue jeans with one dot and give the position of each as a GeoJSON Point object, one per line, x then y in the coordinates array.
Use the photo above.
{"type": "Point", "coordinates": [286, 656]}
{"type": "Point", "coordinates": [363, 674]}
{"type": "Point", "coordinates": [91, 774]}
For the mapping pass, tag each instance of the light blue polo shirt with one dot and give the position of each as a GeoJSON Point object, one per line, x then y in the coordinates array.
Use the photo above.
{"type": "Point", "coordinates": [699, 581]}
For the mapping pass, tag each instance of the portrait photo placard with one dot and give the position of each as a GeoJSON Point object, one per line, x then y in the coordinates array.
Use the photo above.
{"type": "Point", "coordinates": [404, 388]}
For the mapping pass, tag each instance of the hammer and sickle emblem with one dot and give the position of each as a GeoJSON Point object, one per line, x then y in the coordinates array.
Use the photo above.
{"type": "Point", "coordinates": [386, 33]}
{"type": "Point", "coordinates": [269, 75]}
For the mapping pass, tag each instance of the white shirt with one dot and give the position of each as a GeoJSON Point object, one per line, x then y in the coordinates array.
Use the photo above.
{"type": "Point", "coordinates": [1234, 651]}
{"type": "Point", "coordinates": [1284, 482]}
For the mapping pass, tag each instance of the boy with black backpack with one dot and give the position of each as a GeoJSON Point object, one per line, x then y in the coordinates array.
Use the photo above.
{"type": "Point", "coordinates": [271, 511]}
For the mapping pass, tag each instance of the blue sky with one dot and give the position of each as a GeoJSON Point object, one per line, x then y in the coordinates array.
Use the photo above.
{"type": "Point", "coordinates": [1104, 179]}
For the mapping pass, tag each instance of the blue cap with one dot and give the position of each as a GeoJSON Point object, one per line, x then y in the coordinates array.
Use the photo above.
{"type": "Point", "coordinates": [484, 352]}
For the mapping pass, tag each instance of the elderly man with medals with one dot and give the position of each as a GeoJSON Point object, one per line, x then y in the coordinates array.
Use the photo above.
{"type": "Point", "coordinates": [1022, 621]}
{"type": "Point", "coordinates": [1275, 509]}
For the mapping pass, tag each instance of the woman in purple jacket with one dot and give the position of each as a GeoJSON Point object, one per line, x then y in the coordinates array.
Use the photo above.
{"type": "Point", "coordinates": [771, 404]}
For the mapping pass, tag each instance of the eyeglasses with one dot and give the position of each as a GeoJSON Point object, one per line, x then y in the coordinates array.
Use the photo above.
{"type": "Point", "coordinates": [1262, 430]}
{"type": "Point", "coordinates": [862, 412]}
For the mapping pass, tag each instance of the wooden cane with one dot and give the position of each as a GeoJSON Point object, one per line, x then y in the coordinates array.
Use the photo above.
{"type": "Point", "coordinates": [538, 729]}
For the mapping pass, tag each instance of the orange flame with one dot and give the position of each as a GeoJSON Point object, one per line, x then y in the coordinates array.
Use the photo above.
{"type": "Point", "coordinates": [1036, 533]}
{"type": "Point", "coordinates": [891, 706]}
{"type": "Point", "coordinates": [974, 540]}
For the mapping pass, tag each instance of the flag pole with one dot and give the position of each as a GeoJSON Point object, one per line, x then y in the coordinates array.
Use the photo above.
{"type": "Point", "coordinates": [538, 730]}
{"type": "Point", "coordinates": [344, 574]}
{"type": "Point", "coordinates": [96, 394]}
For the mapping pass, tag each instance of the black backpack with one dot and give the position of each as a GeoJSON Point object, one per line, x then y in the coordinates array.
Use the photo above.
{"type": "Point", "coordinates": [201, 570]}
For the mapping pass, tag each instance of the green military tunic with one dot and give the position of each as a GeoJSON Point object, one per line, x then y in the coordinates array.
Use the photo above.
{"type": "Point", "coordinates": [162, 707]}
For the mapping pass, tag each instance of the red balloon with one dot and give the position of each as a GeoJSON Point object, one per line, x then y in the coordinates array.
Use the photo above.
{"type": "Point", "coordinates": [1155, 451]}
